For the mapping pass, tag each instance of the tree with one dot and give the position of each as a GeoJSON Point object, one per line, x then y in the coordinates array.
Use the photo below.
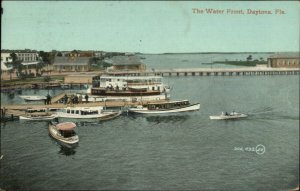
{"type": "Point", "coordinates": [39, 66]}
{"type": "Point", "coordinates": [59, 54]}
{"type": "Point", "coordinates": [249, 58]}
{"type": "Point", "coordinates": [16, 63]}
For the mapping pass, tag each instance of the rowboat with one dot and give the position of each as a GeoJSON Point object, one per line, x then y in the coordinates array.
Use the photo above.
{"type": "Point", "coordinates": [232, 115]}
{"type": "Point", "coordinates": [33, 98]}
{"type": "Point", "coordinates": [38, 117]}
{"type": "Point", "coordinates": [165, 107]}
{"type": "Point", "coordinates": [63, 132]}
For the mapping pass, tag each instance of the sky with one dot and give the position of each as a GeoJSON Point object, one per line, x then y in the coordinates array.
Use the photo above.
{"type": "Point", "coordinates": [150, 27]}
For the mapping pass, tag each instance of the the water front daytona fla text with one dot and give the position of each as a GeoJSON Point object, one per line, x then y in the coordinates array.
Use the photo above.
{"type": "Point", "coordinates": [237, 11]}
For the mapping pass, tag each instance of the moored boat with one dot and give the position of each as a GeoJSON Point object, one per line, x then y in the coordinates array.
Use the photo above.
{"type": "Point", "coordinates": [165, 107]}
{"type": "Point", "coordinates": [33, 98]}
{"type": "Point", "coordinates": [85, 113]}
{"type": "Point", "coordinates": [63, 132]}
{"type": "Point", "coordinates": [131, 87]}
{"type": "Point", "coordinates": [38, 117]}
{"type": "Point", "coordinates": [232, 115]}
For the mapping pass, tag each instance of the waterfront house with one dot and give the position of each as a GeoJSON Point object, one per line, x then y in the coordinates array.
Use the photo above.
{"type": "Point", "coordinates": [5, 56]}
{"type": "Point", "coordinates": [284, 60]}
{"type": "Point", "coordinates": [28, 58]}
{"type": "Point", "coordinates": [126, 63]}
{"type": "Point", "coordinates": [71, 64]}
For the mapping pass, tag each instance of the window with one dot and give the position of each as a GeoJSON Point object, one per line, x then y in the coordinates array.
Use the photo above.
{"type": "Point", "coordinates": [68, 111]}
{"type": "Point", "coordinates": [77, 112]}
{"type": "Point", "coordinates": [72, 111]}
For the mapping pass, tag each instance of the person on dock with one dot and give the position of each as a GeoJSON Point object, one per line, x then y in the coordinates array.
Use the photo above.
{"type": "Point", "coordinates": [65, 99]}
{"type": "Point", "coordinates": [80, 98]}
{"type": "Point", "coordinates": [86, 98]}
{"type": "Point", "coordinates": [76, 99]}
{"type": "Point", "coordinates": [49, 99]}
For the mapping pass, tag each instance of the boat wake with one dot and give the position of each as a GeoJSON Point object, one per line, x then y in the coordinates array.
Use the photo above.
{"type": "Point", "coordinates": [269, 113]}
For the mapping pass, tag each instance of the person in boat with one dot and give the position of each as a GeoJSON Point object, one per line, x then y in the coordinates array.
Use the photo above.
{"type": "Point", "coordinates": [86, 98]}
{"type": "Point", "coordinates": [226, 113]}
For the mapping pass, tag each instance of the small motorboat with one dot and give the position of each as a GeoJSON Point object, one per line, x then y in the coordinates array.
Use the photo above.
{"type": "Point", "coordinates": [33, 98]}
{"type": "Point", "coordinates": [63, 132]}
{"type": "Point", "coordinates": [38, 117]}
{"type": "Point", "coordinates": [232, 115]}
{"type": "Point", "coordinates": [112, 115]}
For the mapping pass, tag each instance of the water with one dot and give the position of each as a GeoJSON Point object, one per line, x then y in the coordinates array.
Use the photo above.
{"type": "Point", "coordinates": [170, 61]}
{"type": "Point", "coordinates": [180, 152]}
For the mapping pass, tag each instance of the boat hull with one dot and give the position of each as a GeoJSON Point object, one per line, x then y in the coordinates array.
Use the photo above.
{"type": "Point", "coordinates": [76, 116]}
{"type": "Point", "coordinates": [193, 107]}
{"type": "Point", "coordinates": [227, 117]}
{"type": "Point", "coordinates": [38, 118]}
{"type": "Point", "coordinates": [33, 98]}
{"type": "Point", "coordinates": [54, 133]}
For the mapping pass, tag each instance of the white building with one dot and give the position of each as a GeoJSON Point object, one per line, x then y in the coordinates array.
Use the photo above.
{"type": "Point", "coordinates": [27, 56]}
{"type": "Point", "coordinates": [5, 57]}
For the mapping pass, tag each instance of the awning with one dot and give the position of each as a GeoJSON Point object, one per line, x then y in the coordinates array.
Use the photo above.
{"type": "Point", "coordinates": [66, 126]}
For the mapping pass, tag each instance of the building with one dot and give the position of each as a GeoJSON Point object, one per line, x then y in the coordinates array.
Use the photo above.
{"type": "Point", "coordinates": [126, 63]}
{"type": "Point", "coordinates": [29, 59]}
{"type": "Point", "coordinates": [79, 53]}
{"type": "Point", "coordinates": [71, 64]}
{"type": "Point", "coordinates": [27, 55]}
{"type": "Point", "coordinates": [5, 57]}
{"type": "Point", "coordinates": [79, 78]}
{"type": "Point", "coordinates": [286, 60]}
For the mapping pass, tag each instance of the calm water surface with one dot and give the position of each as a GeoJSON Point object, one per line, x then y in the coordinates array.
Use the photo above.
{"type": "Point", "coordinates": [179, 152]}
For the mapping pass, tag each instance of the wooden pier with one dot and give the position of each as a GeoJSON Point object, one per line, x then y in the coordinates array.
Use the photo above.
{"type": "Point", "coordinates": [246, 71]}
{"type": "Point", "coordinates": [9, 111]}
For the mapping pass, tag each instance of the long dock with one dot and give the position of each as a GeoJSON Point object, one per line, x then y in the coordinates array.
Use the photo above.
{"type": "Point", "coordinates": [12, 111]}
{"type": "Point", "coordinates": [246, 71]}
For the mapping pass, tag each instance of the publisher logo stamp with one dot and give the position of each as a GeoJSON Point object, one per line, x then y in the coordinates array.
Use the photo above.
{"type": "Point", "coordinates": [259, 149]}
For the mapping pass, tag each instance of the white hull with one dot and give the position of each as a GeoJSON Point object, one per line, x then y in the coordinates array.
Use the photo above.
{"type": "Point", "coordinates": [222, 117]}
{"type": "Point", "coordinates": [77, 116]}
{"type": "Point", "coordinates": [38, 118]}
{"type": "Point", "coordinates": [56, 135]}
{"type": "Point", "coordinates": [33, 98]}
{"type": "Point", "coordinates": [94, 98]}
{"type": "Point", "coordinates": [177, 110]}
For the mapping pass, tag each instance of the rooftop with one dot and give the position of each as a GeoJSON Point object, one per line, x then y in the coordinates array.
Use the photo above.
{"type": "Point", "coordinates": [71, 61]}
{"type": "Point", "coordinates": [19, 51]}
{"type": "Point", "coordinates": [125, 60]}
{"type": "Point", "coordinates": [286, 55]}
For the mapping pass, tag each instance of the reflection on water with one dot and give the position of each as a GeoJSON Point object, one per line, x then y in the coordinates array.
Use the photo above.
{"type": "Point", "coordinates": [65, 149]}
{"type": "Point", "coordinates": [269, 113]}
{"type": "Point", "coordinates": [181, 117]}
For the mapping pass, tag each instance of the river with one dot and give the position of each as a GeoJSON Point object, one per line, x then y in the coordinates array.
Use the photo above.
{"type": "Point", "coordinates": [187, 151]}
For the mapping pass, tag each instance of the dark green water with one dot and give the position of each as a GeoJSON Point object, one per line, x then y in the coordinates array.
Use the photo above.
{"type": "Point", "coordinates": [181, 152]}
